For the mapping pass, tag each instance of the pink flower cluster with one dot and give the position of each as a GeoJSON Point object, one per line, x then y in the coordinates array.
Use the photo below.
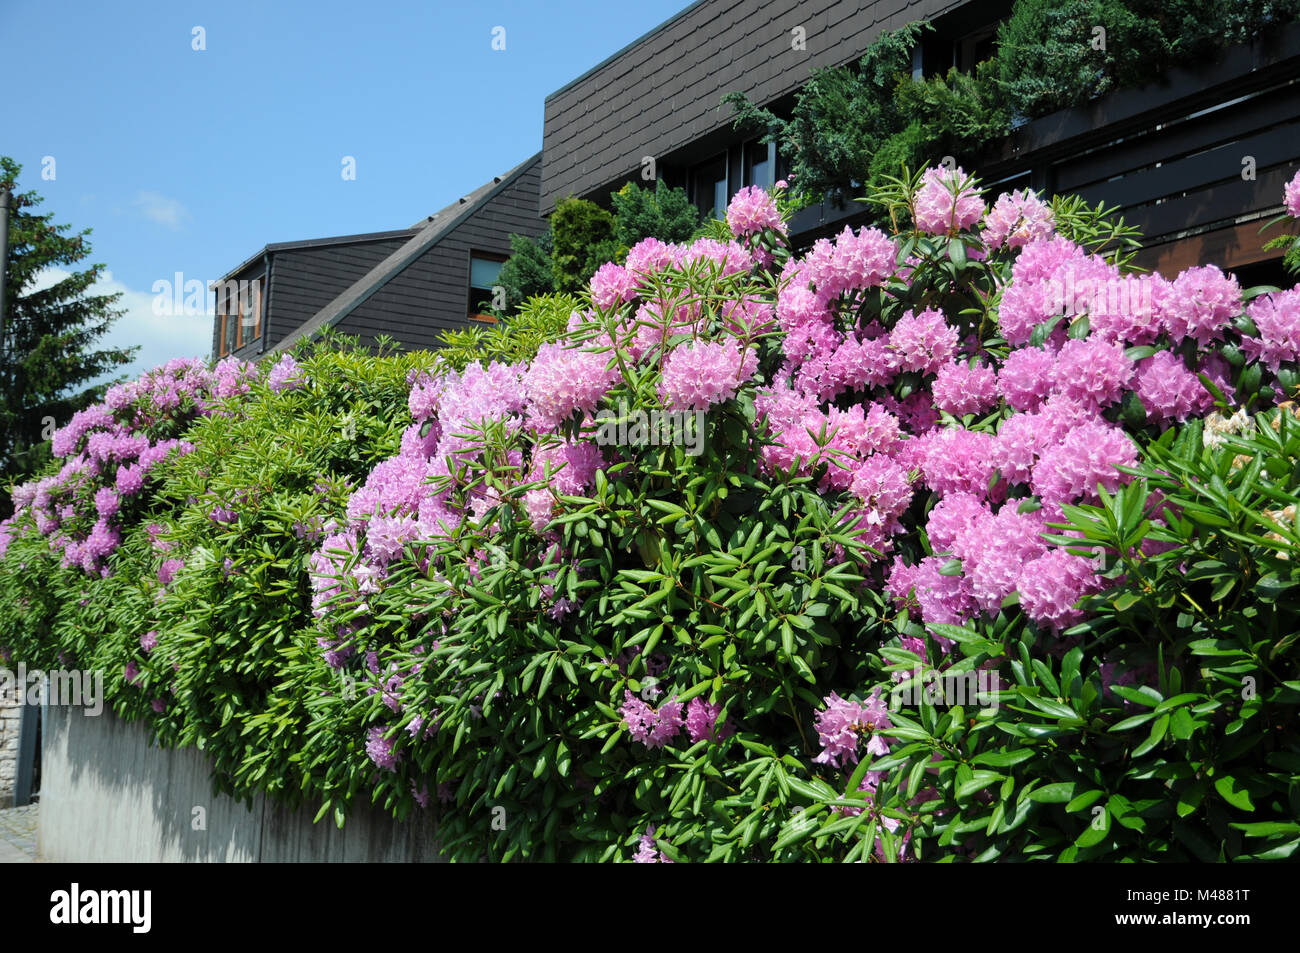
{"type": "Point", "coordinates": [1291, 196]}
{"type": "Point", "coordinates": [108, 451]}
{"type": "Point", "coordinates": [653, 727]}
{"type": "Point", "coordinates": [285, 375]}
{"type": "Point", "coordinates": [1277, 317]}
{"type": "Point", "coordinates": [843, 723]}
{"type": "Point", "coordinates": [1054, 279]}
{"type": "Point", "coordinates": [1016, 219]}
{"type": "Point", "coordinates": [647, 851]}
{"type": "Point", "coordinates": [698, 375]}
{"type": "Point", "coordinates": [945, 204]}
{"type": "Point", "coordinates": [753, 210]}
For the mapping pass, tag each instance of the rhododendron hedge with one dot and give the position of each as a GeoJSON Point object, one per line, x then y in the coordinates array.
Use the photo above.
{"type": "Point", "coordinates": [596, 646]}
{"type": "Point", "coordinates": [677, 582]}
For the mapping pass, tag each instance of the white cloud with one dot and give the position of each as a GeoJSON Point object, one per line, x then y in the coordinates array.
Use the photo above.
{"type": "Point", "coordinates": [159, 208]}
{"type": "Point", "coordinates": [161, 337]}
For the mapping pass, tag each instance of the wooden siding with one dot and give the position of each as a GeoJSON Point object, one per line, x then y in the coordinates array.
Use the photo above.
{"type": "Point", "coordinates": [1169, 154]}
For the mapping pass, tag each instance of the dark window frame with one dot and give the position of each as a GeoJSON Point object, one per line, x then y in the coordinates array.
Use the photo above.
{"type": "Point", "coordinates": [698, 180]}
{"type": "Point", "coordinates": [483, 255]}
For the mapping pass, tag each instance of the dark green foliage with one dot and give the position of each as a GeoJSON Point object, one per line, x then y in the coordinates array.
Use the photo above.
{"type": "Point", "coordinates": [663, 213]}
{"type": "Point", "coordinates": [960, 113]}
{"type": "Point", "coordinates": [840, 117]}
{"type": "Point", "coordinates": [907, 148]}
{"type": "Point", "coordinates": [584, 240]}
{"type": "Point", "coordinates": [1199, 27]}
{"type": "Point", "coordinates": [529, 270]}
{"type": "Point", "coordinates": [1050, 58]}
{"type": "Point", "coordinates": [50, 353]}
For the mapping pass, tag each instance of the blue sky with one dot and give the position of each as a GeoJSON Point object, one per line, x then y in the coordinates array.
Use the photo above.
{"type": "Point", "coordinates": [190, 161]}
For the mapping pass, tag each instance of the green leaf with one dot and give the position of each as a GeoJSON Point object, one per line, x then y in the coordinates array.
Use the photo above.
{"type": "Point", "coordinates": [1157, 733]}
{"type": "Point", "coordinates": [1084, 799]}
{"type": "Point", "coordinates": [978, 781]}
{"type": "Point", "coordinates": [1061, 792]}
{"type": "Point", "coordinates": [1094, 833]}
{"type": "Point", "coordinates": [951, 568]}
{"type": "Point", "coordinates": [1191, 798]}
{"type": "Point", "coordinates": [1231, 791]}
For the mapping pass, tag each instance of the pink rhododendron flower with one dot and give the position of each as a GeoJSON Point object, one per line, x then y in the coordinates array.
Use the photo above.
{"type": "Point", "coordinates": [1018, 218]}
{"type": "Point", "coordinates": [1277, 318]}
{"type": "Point", "coordinates": [285, 375]}
{"type": "Point", "coordinates": [962, 388]}
{"type": "Point", "coordinates": [924, 342]}
{"type": "Point", "coordinates": [701, 718]}
{"type": "Point", "coordinates": [649, 256]}
{"type": "Point", "coordinates": [562, 380]}
{"type": "Point", "coordinates": [753, 210]}
{"type": "Point", "coordinates": [653, 728]}
{"type": "Point", "coordinates": [1084, 460]}
{"type": "Point", "coordinates": [943, 206]}
{"type": "Point", "coordinates": [956, 460]}
{"type": "Point", "coordinates": [1168, 390]}
{"type": "Point", "coordinates": [1092, 372]}
{"type": "Point", "coordinates": [380, 749]}
{"type": "Point", "coordinates": [842, 723]}
{"type": "Point", "coordinates": [703, 373]}
{"type": "Point", "coordinates": [612, 285]}
{"type": "Point", "coordinates": [1051, 584]}
{"type": "Point", "coordinates": [647, 850]}
{"type": "Point", "coordinates": [1291, 196]}
{"type": "Point", "coordinates": [852, 262]}
{"type": "Point", "coordinates": [1201, 304]}
{"type": "Point", "coordinates": [168, 570]}
{"type": "Point", "coordinates": [1025, 379]}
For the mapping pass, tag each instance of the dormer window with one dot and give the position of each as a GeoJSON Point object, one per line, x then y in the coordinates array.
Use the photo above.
{"type": "Point", "coordinates": [484, 270]}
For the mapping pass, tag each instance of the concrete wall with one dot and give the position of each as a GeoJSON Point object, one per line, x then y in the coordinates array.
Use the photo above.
{"type": "Point", "coordinates": [107, 795]}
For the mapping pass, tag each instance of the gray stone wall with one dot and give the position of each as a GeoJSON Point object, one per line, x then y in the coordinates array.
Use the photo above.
{"type": "Point", "coordinates": [10, 717]}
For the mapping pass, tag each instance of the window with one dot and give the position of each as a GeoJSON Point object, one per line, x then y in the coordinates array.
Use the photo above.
{"type": "Point", "coordinates": [975, 48]}
{"type": "Point", "coordinates": [239, 314]}
{"type": "Point", "coordinates": [484, 269]}
{"type": "Point", "coordinates": [231, 322]}
{"type": "Point", "coordinates": [760, 164]}
{"type": "Point", "coordinates": [709, 187]}
{"type": "Point", "coordinates": [250, 312]}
